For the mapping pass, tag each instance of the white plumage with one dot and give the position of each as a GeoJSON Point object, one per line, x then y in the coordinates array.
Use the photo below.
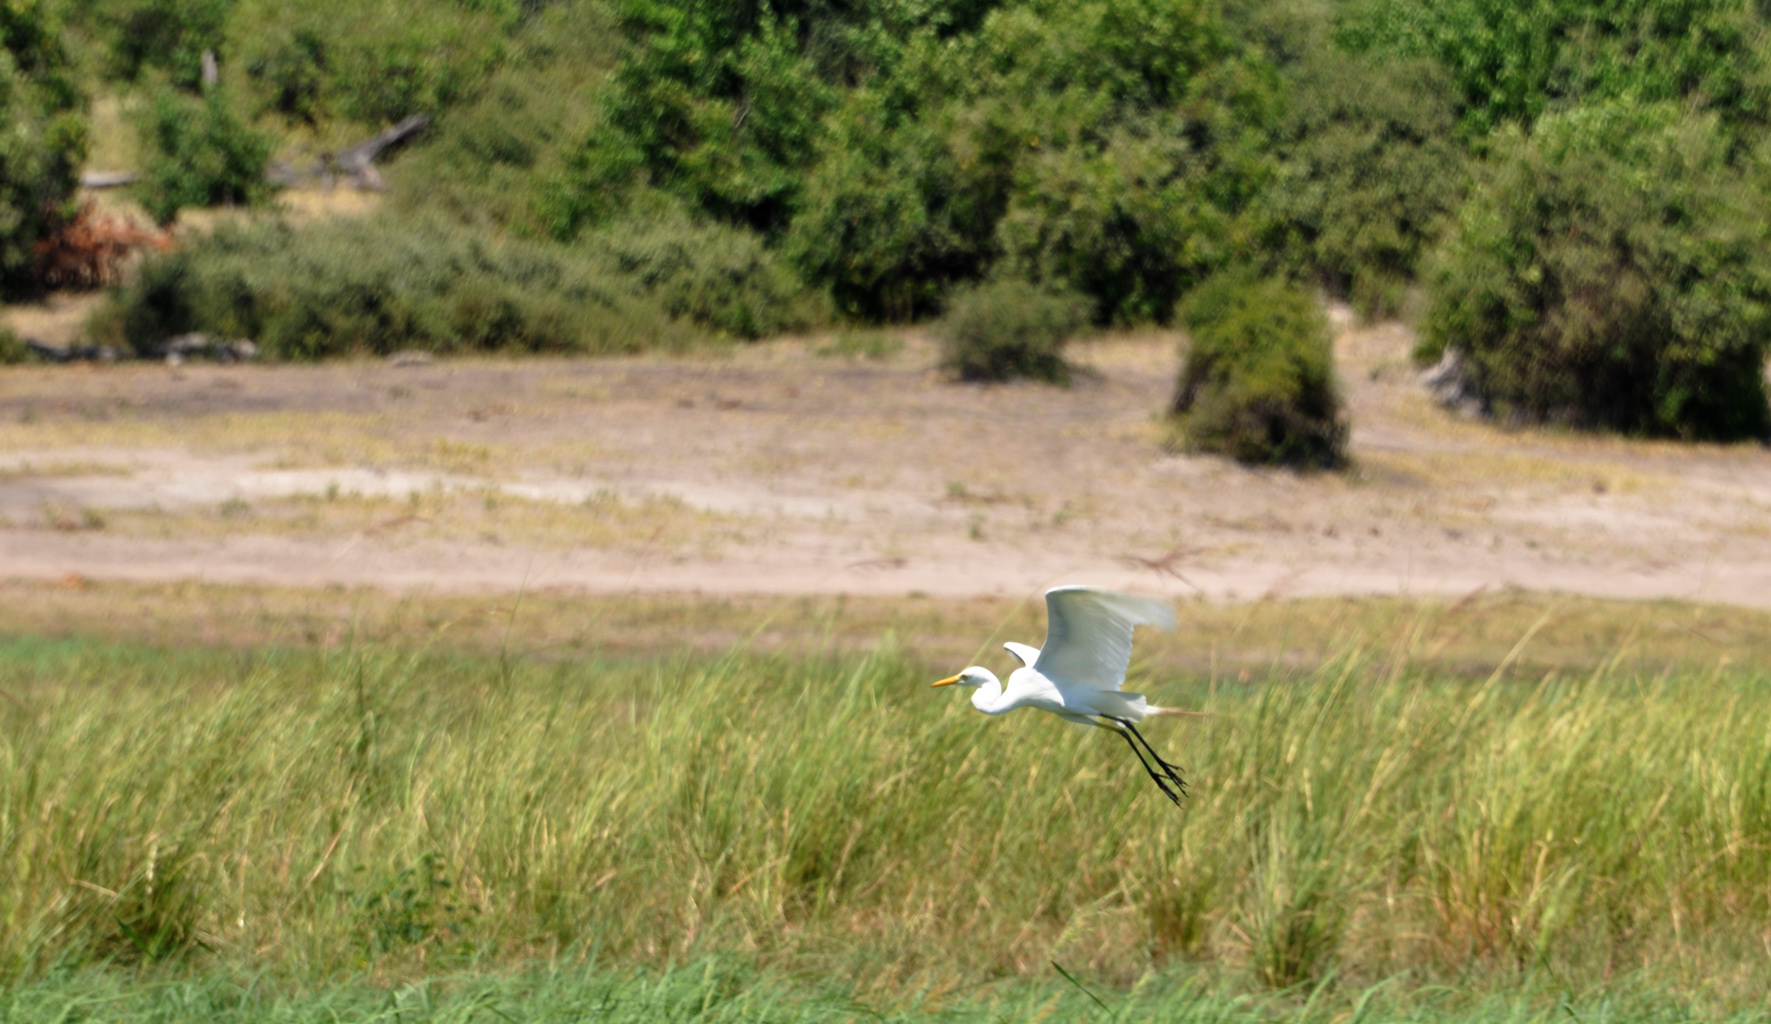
{"type": "Point", "coordinates": [1078, 674]}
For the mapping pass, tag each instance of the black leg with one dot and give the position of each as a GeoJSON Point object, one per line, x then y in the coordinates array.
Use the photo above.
{"type": "Point", "coordinates": [1173, 771]}
{"type": "Point", "coordinates": [1162, 784]}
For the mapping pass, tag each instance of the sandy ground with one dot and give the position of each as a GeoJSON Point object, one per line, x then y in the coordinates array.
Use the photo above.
{"type": "Point", "coordinates": [775, 469]}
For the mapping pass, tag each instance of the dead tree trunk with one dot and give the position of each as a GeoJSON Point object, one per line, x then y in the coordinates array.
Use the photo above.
{"type": "Point", "coordinates": [358, 162]}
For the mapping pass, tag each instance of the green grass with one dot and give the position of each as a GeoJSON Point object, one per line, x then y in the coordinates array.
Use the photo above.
{"type": "Point", "coordinates": [724, 989]}
{"type": "Point", "coordinates": [308, 817]}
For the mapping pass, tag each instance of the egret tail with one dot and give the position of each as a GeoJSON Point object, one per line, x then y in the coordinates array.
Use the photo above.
{"type": "Point", "coordinates": [1177, 712]}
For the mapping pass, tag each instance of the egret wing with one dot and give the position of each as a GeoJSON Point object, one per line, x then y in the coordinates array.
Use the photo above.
{"type": "Point", "coordinates": [1088, 634]}
{"type": "Point", "coordinates": [1026, 653]}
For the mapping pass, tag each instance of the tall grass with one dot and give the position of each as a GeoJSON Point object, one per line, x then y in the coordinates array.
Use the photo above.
{"type": "Point", "coordinates": [319, 815]}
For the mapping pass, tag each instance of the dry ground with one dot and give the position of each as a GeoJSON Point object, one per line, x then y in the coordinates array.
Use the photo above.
{"type": "Point", "coordinates": [783, 469]}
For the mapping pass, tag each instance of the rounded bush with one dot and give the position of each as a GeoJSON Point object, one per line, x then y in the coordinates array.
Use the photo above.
{"type": "Point", "coordinates": [1007, 329]}
{"type": "Point", "coordinates": [1610, 271]}
{"type": "Point", "coordinates": [1258, 384]}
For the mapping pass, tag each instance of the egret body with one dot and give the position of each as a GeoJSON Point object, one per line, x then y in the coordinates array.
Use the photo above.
{"type": "Point", "coordinates": [1079, 672]}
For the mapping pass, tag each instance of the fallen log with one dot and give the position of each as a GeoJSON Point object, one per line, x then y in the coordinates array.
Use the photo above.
{"type": "Point", "coordinates": [356, 163]}
{"type": "Point", "coordinates": [359, 160]}
{"type": "Point", "coordinates": [108, 179]}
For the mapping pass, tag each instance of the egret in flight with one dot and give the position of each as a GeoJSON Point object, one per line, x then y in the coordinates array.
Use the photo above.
{"type": "Point", "coordinates": [1077, 675]}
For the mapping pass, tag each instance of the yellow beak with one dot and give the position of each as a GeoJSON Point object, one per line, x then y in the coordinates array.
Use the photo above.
{"type": "Point", "coordinates": [949, 681]}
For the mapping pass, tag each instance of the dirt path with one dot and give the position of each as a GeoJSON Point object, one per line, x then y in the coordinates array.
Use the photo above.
{"type": "Point", "coordinates": [780, 470]}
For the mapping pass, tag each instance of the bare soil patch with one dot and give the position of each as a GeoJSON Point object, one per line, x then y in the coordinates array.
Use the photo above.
{"type": "Point", "coordinates": [774, 469]}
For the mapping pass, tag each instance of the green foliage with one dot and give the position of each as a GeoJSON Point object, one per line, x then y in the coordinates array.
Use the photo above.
{"type": "Point", "coordinates": [721, 106]}
{"type": "Point", "coordinates": [382, 285]}
{"type": "Point", "coordinates": [13, 349]}
{"type": "Point", "coordinates": [200, 154]}
{"type": "Point", "coordinates": [717, 276]}
{"type": "Point", "coordinates": [416, 66]}
{"type": "Point", "coordinates": [1372, 172]}
{"type": "Point", "coordinates": [41, 69]}
{"type": "Point", "coordinates": [1611, 270]}
{"type": "Point", "coordinates": [169, 35]}
{"type": "Point", "coordinates": [311, 61]}
{"type": "Point", "coordinates": [1125, 224]}
{"type": "Point", "coordinates": [1106, 148]}
{"type": "Point", "coordinates": [291, 72]}
{"type": "Point", "coordinates": [717, 105]}
{"type": "Point", "coordinates": [1006, 329]}
{"type": "Point", "coordinates": [400, 909]}
{"type": "Point", "coordinates": [1258, 384]}
{"type": "Point", "coordinates": [890, 219]}
{"type": "Point", "coordinates": [43, 138]}
{"type": "Point", "coordinates": [1512, 61]}
{"type": "Point", "coordinates": [1138, 133]}
{"type": "Point", "coordinates": [480, 160]}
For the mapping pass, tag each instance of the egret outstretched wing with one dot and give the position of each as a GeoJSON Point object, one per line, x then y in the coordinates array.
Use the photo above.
{"type": "Point", "coordinates": [1079, 674]}
{"type": "Point", "coordinates": [1088, 634]}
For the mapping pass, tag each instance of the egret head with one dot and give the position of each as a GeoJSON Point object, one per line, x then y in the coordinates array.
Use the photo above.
{"type": "Point", "coordinates": [974, 676]}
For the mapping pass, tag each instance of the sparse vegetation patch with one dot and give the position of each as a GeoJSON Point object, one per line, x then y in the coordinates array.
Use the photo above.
{"type": "Point", "coordinates": [1007, 329]}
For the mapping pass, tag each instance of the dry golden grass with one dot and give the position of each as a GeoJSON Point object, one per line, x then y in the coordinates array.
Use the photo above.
{"type": "Point", "coordinates": [327, 439]}
{"type": "Point", "coordinates": [1452, 472]}
{"type": "Point", "coordinates": [1465, 636]}
{"type": "Point", "coordinates": [603, 521]}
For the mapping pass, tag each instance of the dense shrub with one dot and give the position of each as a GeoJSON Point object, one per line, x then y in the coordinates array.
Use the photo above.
{"type": "Point", "coordinates": [170, 35]}
{"type": "Point", "coordinates": [199, 154]}
{"type": "Point", "coordinates": [43, 140]}
{"type": "Point", "coordinates": [721, 105]}
{"type": "Point", "coordinates": [717, 276]}
{"type": "Point", "coordinates": [422, 66]}
{"type": "Point", "coordinates": [1512, 60]}
{"type": "Point", "coordinates": [292, 72]}
{"type": "Point", "coordinates": [481, 158]}
{"type": "Point", "coordinates": [1610, 270]}
{"type": "Point", "coordinates": [889, 218]}
{"type": "Point", "coordinates": [1130, 223]}
{"type": "Point", "coordinates": [716, 105]}
{"type": "Point", "coordinates": [1107, 148]}
{"type": "Point", "coordinates": [310, 60]}
{"type": "Point", "coordinates": [381, 285]}
{"type": "Point", "coordinates": [1258, 384]}
{"type": "Point", "coordinates": [1009, 328]}
{"type": "Point", "coordinates": [1139, 133]}
{"type": "Point", "coordinates": [1372, 171]}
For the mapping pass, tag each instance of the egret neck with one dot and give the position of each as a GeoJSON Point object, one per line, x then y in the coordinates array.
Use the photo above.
{"type": "Point", "coordinates": [989, 688]}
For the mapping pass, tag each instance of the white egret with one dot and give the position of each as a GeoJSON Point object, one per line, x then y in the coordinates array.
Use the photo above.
{"type": "Point", "coordinates": [1077, 675]}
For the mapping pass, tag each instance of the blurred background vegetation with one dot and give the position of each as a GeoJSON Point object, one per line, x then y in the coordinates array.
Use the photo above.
{"type": "Point", "coordinates": [1571, 192]}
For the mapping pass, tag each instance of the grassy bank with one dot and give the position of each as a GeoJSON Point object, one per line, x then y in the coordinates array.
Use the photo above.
{"type": "Point", "coordinates": [312, 815]}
